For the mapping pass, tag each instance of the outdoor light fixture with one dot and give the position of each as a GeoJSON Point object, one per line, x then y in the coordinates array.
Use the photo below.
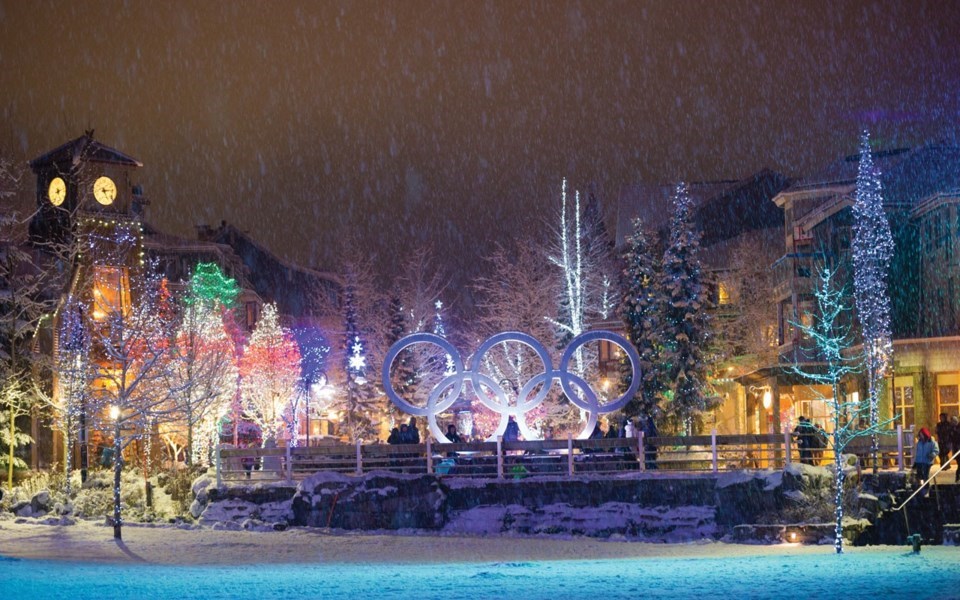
{"type": "Point", "coordinates": [767, 399]}
{"type": "Point", "coordinates": [792, 536]}
{"type": "Point", "coordinates": [114, 412]}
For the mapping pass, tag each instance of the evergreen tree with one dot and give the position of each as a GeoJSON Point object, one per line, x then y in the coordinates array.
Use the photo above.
{"type": "Point", "coordinates": [686, 323]}
{"type": "Point", "coordinates": [641, 311]}
{"type": "Point", "coordinates": [872, 253]}
{"type": "Point", "coordinates": [359, 402]}
{"type": "Point", "coordinates": [402, 374]}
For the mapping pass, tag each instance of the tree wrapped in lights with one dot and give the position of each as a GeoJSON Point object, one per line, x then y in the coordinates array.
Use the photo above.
{"type": "Point", "coordinates": [130, 334]}
{"type": "Point", "coordinates": [269, 371]}
{"type": "Point", "coordinates": [73, 367]}
{"type": "Point", "coordinates": [641, 310]}
{"type": "Point", "coordinates": [685, 323]}
{"type": "Point", "coordinates": [872, 253]}
{"type": "Point", "coordinates": [831, 337]}
{"type": "Point", "coordinates": [583, 262]}
{"type": "Point", "coordinates": [202, 366]}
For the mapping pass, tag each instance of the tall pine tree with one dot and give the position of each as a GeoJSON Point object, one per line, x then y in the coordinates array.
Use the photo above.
{"type": "Point", "coordinates": [359, 403]}
{"type": "Point", "coordinates": [641, 309]}
{"type": "Point", "coordinates": [872, 253]}
{"type": "Point", "coordinates": [686, 324]}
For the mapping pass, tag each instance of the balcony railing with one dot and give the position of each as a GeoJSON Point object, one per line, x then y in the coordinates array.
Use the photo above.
{"type": "Point", "coordinates": [548, 458]}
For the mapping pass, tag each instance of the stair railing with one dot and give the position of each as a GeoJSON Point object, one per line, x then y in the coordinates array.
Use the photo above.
{"type": "Point", "coordinates": [927, 482]}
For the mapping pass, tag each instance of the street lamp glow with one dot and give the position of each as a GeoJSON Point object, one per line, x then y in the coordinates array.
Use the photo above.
{"type": "Point", "coordinates": [114, 412]}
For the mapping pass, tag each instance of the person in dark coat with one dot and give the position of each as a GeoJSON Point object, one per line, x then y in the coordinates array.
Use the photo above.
{"type": "Point", "coordinates": [452, 434]}
{"type": "Point", "coordinates": [955, 442]}
{"type": "Point", "coordinates": [944, 437]}
{"type": "Point", "coordinates": [414, 432]}
{"type": "Point", "coordinates": [512, 432]}
{"type": "Point", "coordinates": [804, 432]}
{"type": "Point", "coordinates": [394, 436]}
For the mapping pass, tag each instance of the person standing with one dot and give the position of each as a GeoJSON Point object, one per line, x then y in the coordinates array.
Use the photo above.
{"type": "Point", "coordinates": [629, 431]}
{"type": "Point", "coordinates": [512, 432]}
{"type": "Point", "coordinates": [926, 452]}
{"type": "Point", "coordinates": [804, 433]}
{"type": "Point", "coordinates": [955, 442]}
{"type": "Point", "coordinates": [944, 434]}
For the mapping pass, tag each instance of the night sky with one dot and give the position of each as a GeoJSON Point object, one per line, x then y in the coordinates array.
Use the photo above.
{"type": "Point", "coordinates": [454, 123]}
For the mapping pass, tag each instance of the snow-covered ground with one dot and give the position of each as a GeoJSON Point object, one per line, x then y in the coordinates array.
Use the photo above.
{"type": "Point", "coordinates": [202, 563]}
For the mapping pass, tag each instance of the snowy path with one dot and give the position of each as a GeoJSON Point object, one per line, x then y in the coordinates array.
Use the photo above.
{"type": "Point", "coordinates": [308, 564]}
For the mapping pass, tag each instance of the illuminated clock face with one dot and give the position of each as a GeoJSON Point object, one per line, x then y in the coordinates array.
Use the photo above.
{"type": "Point", "coordinates": [105, 191]}
{"type": "Point", "coordinates": [57, 191]}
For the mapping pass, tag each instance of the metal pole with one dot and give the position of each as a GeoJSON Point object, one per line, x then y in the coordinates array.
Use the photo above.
{"type": "Point", "coordinates": [359, 458]}
{"type": "Point", "coordinates": [429, 457]}
{"type": "Point", "coordinates": [900, 447]}
{"type": "Point", "coordinates": [499, 457]}
{"type": "Point", "coordinates": [570, 454]}
{"type": "Point", "coordinates": [640, 452]}
{"type": "Point", "coordinates": [219, 476]}
{"type": "Point", "coordinates": [713, 445]}
{"type": "Point", "coordinates": [289, 465]}
{"type": "Point", "coordinates": [786, 448]}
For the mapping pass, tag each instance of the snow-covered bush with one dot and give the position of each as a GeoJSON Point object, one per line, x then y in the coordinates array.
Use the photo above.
{"type": "Point", "coordinates": [95, 499]}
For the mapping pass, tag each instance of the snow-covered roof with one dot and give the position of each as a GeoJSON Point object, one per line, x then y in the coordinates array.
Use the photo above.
{"type": "Point", "coordinates": [83, 148]}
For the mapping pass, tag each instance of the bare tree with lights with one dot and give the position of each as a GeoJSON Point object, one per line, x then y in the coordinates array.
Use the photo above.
{"type": "Point", "coordinates": [270, 370]}
{"type": "Point", "coordinates": [872, 252]}
{"type": "Point", "coordinates": [831, 338]}
{"type": "Point", "coordinates": [131, 321]}
{"type": "Point", "coordinates": [520, 289]}
{"type": "Point", "coordinates": [582, 261]}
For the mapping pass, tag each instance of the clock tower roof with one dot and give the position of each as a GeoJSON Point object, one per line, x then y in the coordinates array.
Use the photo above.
{"type": "Point", "coordinates": [82, 149]}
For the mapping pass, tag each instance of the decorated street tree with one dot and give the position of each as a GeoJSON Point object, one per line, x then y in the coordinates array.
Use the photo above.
{"type": "Point", "coordinates": [872, 252]}
{"type": "Point", "coordinates": [73, 369]}
{"type": "Point", "coordinates": [202, 369]}
{"type": "Point", "coordinates": [686, 322]}
{"type": "Point", "coordinates": [641, 310]}
{"type": "Point", "coordinates": [830, 337]}
{"type": "Point", "coordinates": [131, 320]}
{"type": "Point", "coordinates": [583, 264]}
{"type": "Point", "coordinates": [520, 289]}
{"type": "Point", "coordinates": [269, 371]}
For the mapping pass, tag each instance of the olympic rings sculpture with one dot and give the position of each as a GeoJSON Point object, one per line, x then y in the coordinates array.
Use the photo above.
{"type": "Point", "coordinates": [437, 403]}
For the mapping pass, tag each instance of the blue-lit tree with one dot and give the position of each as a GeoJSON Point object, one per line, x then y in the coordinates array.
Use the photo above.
{"type": "Point", "coordinates": [686, 323]}
{"type": "Point", "coordinates": [359, 402]}
{"type": "Point", "coordinates": [830, 338]}
{"type": "Point", "coordinates": [641, 311]}
{"type": "Point", "coordinates": [872, 252]}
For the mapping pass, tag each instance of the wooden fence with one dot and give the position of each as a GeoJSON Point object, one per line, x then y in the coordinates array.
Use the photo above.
{"type": "Point", "coordinates": [704, 453]}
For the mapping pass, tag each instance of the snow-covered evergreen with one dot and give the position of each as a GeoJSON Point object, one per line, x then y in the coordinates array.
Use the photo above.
{"type": "Point", "coordinates": [641, 310]}
{"type": "Point", "coordinates": [686, 321]}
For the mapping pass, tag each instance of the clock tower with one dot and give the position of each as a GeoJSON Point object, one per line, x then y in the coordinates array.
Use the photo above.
{"type": "Point", "coordinates": [80, 180]}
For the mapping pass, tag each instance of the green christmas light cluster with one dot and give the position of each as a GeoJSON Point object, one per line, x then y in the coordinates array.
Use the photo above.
{"type": "Point", "coordinates": [209, 286]}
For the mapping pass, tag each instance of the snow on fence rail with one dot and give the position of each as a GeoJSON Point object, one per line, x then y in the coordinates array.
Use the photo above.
{"type": "Point", "coordinates": [500, 459]}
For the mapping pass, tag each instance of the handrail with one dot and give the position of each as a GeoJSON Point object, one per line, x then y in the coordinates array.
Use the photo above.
{"type": "Point", "coordinates": [929, 479]}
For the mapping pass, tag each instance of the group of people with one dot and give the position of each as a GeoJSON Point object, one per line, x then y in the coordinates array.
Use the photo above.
{"type": "Point", "coordinates": [929, 449]}
{"type": "Point", "coordinates": [811, 440]}
{"type": "Point", "coordinates": [407, 433]}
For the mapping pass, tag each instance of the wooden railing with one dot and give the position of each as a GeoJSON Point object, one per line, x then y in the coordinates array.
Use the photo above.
{"type": "Point", "coordinates": [500, 459]}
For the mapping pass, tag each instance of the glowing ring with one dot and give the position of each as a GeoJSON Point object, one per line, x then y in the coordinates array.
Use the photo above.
{"type": "Point", "coordinates": [587, 400]}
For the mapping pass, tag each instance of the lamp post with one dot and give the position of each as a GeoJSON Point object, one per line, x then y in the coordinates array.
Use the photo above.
{"type": "Point", "coordinates": [117, 468]}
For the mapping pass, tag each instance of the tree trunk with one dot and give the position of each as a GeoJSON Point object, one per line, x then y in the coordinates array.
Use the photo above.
{"type": "Point", "coordinates": [188, 459]}
{"type": "Point", "coordinates": [13, 445]}
{"type": "Point", "coordinates": [117, 469]}
{"type": "Point", "coordinates": [839, 478]}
